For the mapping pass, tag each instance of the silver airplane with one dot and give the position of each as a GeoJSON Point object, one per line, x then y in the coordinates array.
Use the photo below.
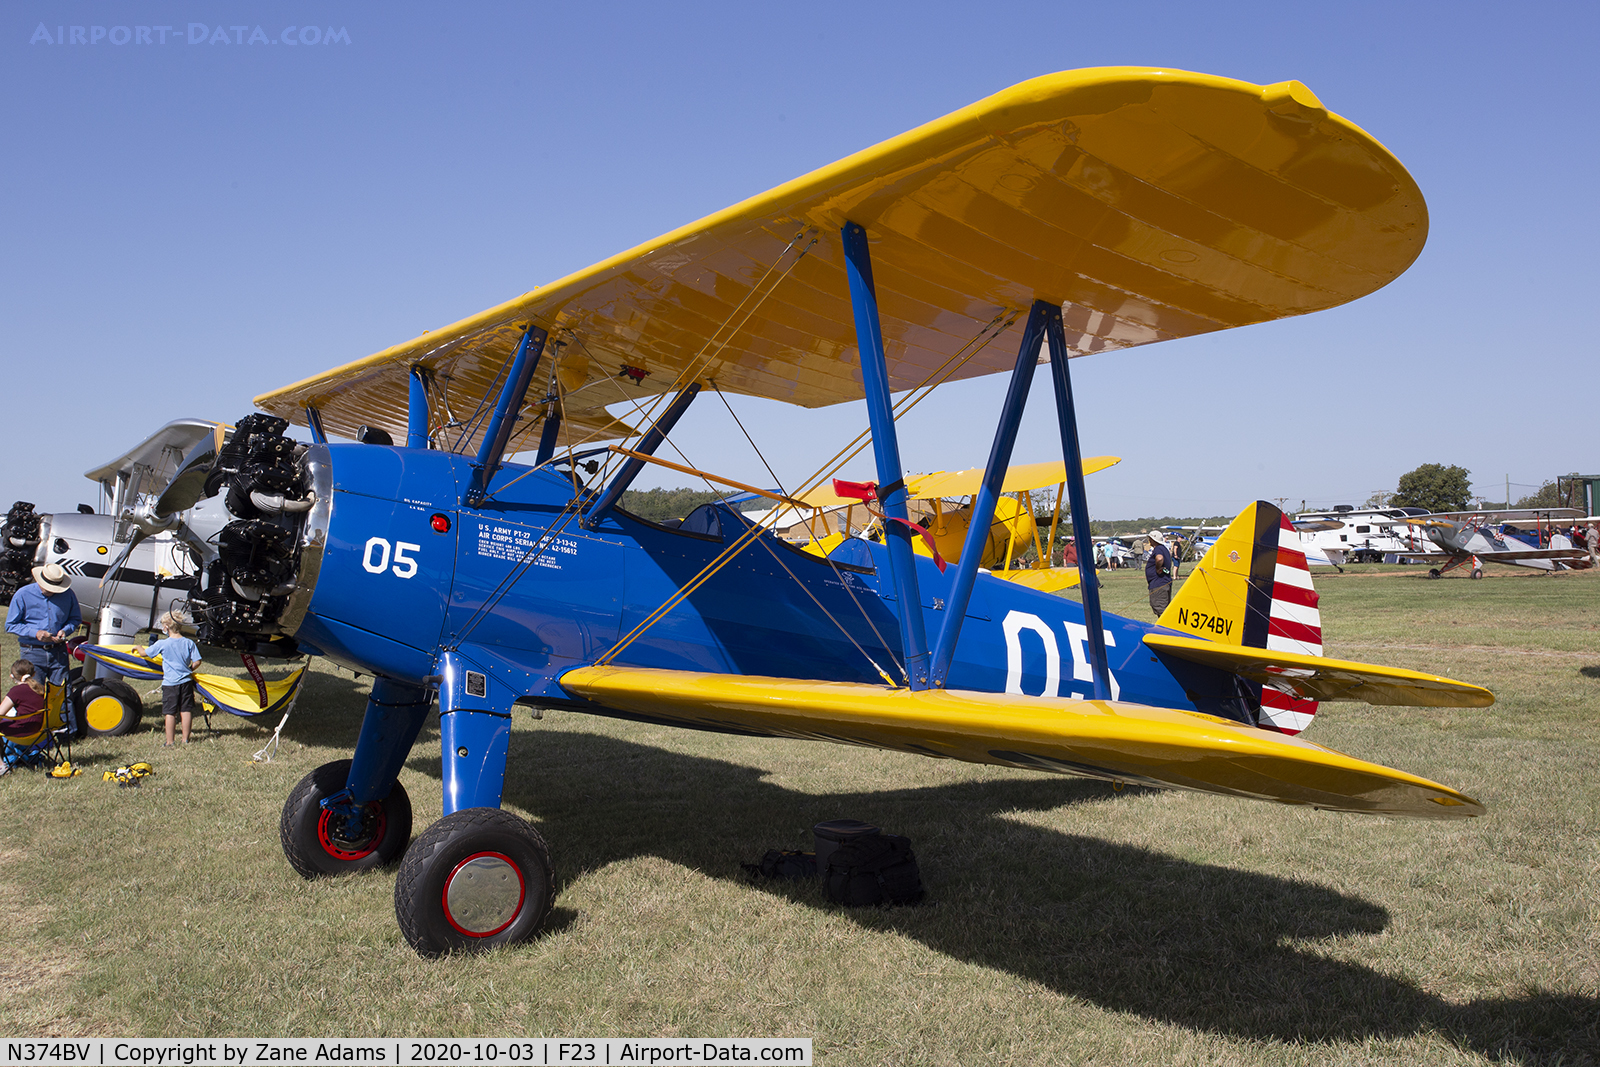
{"type": "Point", "coordinates": [146, 553]}
{"type": "Point", "coordinates": [1469, 537]}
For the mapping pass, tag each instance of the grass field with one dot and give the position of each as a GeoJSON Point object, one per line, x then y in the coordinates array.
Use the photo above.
{"type": "Point", "coordinates": [1067, 923]}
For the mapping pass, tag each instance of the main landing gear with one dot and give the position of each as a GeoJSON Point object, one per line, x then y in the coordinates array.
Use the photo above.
{"type": "Point", "coordinates": [477, 878]}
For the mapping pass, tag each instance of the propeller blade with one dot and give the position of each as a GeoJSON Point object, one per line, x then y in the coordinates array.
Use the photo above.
{"type": "Point", "coordinates": [111, 573]}
{"type": "Point", "coordinates": [189, 483]}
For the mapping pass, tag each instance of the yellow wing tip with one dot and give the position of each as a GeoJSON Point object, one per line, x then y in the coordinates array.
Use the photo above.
{"type": "Point", "coordinates": [1292, 99]}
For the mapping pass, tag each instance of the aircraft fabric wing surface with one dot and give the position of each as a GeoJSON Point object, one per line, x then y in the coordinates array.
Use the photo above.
{"type": "Point", "coordinates": [1150, 204]}
{"type": "Point", "coordinates": [1323, 678]}
{"type": "Point", "coordinates": [1099, 739]}
{"type": "Point", "coordinates": [1531, 553]}
{"type": "Point", "coordinates": [1019, 478]}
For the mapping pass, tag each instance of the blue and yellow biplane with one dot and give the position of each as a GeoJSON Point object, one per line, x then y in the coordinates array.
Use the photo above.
{"type": "Point", "coordinates": [1075, 214]}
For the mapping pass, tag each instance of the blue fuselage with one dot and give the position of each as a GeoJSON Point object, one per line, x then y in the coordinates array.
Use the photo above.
{"type": "Point", "coordinates": [521, 588]}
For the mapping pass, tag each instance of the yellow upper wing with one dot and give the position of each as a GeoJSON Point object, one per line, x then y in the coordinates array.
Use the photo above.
{"type": "Point", "coordinates": [1150, 204]}
{"type": "Point", "coordinates": [1095, 738]}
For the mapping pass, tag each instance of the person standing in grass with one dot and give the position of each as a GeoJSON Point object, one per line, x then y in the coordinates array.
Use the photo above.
{"type": "Point", "coordinates": [42, 616]}
{"type": "Point", "coordinates": [179, 658]}
{"type": "Point", "coordinates": [1158, 572]}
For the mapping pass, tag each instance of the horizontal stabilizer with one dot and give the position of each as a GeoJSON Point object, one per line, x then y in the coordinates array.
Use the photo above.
{"type": "Point", "coordinates": [1091, 738]}
{"type": "Point", "coordinates": [1321, 678]}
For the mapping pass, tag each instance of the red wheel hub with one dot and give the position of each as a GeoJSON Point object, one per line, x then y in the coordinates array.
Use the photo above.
{"type": "Point", "coordinates": [373, 826]}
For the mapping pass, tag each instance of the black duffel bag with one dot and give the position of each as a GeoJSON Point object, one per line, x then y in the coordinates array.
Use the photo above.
{"type": "Point", "coordinates": [873, 869]}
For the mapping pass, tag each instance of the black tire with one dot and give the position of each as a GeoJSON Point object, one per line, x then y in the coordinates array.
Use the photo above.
{"type": "Point", "coordinates": [311, 837]}
{"type": "Point", "coordinates": [1477, 574]}
{"type": "Point", "coordinates": [109, 707]}
{"type": "Point", "coordinates": [1434, 573]}
{"type": "Point", "coordinates": [499, 846]}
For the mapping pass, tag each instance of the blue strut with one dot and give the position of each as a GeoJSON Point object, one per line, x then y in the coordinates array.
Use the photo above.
{"type": "Point", "coordinates": [1088, 585]}
{"type": "Point", "coordinates": [647, 446]}
{"type": "Point", "coordinates": [395, 714]}
{"type": "Point", "coordinates": [474, 733]}
{"type": "Point", "coordinates": [417, 412]}
{"type": "Point", "coordinates": [498, 433]}
{"type": "Point", "coordinates": [314, 423]}
{"type": "Point", "coordinates": [551, 432]}
{"type": "Point", "coordinates": [994, 476]}
{"type": "Point", "coordinates": [886, 448]}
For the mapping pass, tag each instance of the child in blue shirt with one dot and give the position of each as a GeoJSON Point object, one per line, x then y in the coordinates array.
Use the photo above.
{"type": "Point", "coordinates": [179, 658]}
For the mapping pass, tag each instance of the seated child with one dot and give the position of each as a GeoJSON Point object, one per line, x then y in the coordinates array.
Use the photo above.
{"type": "Point", "coordinates": [22, 708]}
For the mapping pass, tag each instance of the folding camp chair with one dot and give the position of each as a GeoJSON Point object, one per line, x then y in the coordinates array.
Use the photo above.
{"type": "Point", "coordinates": [51, 744]}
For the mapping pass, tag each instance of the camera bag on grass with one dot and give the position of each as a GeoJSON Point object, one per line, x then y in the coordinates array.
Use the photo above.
{"type": "Point", "coordinates": [873, 869]}
{"type": "Point", "coordinates": [787, 864]}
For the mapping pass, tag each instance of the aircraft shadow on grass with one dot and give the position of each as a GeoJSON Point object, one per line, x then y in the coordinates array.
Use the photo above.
{"type": "Point", "coordinates": [1131, 930]}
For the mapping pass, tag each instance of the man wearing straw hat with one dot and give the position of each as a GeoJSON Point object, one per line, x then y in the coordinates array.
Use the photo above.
{"type": "Point", "coordinates": [1158, 572]}
{"type": "Point", "coordinates": [42, 616]}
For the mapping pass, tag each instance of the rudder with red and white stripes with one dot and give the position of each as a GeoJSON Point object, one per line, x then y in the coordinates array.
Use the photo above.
{"type": "Point", "coordinates": [1253, 589]}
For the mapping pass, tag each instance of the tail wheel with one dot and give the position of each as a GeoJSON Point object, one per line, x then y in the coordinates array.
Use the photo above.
{"type": "Point", "coordinates": [475, 879]}
{"type": "Point", "coordinates": [320, 842]}
{"type": "Point", "coordinates": [111, 708]}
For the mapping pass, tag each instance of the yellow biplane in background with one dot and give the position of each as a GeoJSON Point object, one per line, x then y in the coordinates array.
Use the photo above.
{"type": "Point", "coordinates": [942, 503]}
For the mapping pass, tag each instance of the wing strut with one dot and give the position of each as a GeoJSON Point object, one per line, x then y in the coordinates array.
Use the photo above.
{"type": "Point", "coordinates": [1067, 416]}
{"type": "Point", "coordinates": [504, 419]}
{"type": "Point", "coordinates": [417, 414]}
{"type": "Point", "coordinates": [886, 447]}
{"type": "Point", "coordinates": [647, 446]}
{"type": "Point", "coordinates": [549, 435]}
{"type": "Point", "coordinates": [994, 475]}
{"type": "Point", "coordinates": [314, 421]}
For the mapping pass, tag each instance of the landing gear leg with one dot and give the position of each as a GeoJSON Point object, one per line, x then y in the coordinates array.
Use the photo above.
{"type": "Point", "coordinates": [354, 815]}
{"type": "Point", "coordinates": [480, 876]}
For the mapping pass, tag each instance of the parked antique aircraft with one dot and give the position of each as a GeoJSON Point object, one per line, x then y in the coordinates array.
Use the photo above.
{"type": "Point", "coordinates": [948, 498]}
{"type": "Point", "coordinates": [1470, 537]}
{"type": "Point", "coordinates": [132, 563]}
{"type": "Point", "coordinates": [1098, 210]}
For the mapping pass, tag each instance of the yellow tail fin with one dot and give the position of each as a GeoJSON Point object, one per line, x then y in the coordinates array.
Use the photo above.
{"type": "Point", "coordinates": [1253, 590]}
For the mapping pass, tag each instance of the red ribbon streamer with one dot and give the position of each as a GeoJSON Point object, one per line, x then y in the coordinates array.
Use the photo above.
{"type": "Point", "coordinates": [255, 675]}
{"type": "Point", "coordinates": [867, 492]}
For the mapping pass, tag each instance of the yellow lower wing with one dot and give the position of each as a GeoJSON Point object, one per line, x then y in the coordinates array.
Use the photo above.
{"type": "Point", "coordinates": [1321, 678]}
{"type": "Point", "coordinates": [1091, 738]}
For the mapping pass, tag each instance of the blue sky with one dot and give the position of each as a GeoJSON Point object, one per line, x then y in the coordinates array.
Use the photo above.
{"type": "Point", "coordinates": [186, 225]}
